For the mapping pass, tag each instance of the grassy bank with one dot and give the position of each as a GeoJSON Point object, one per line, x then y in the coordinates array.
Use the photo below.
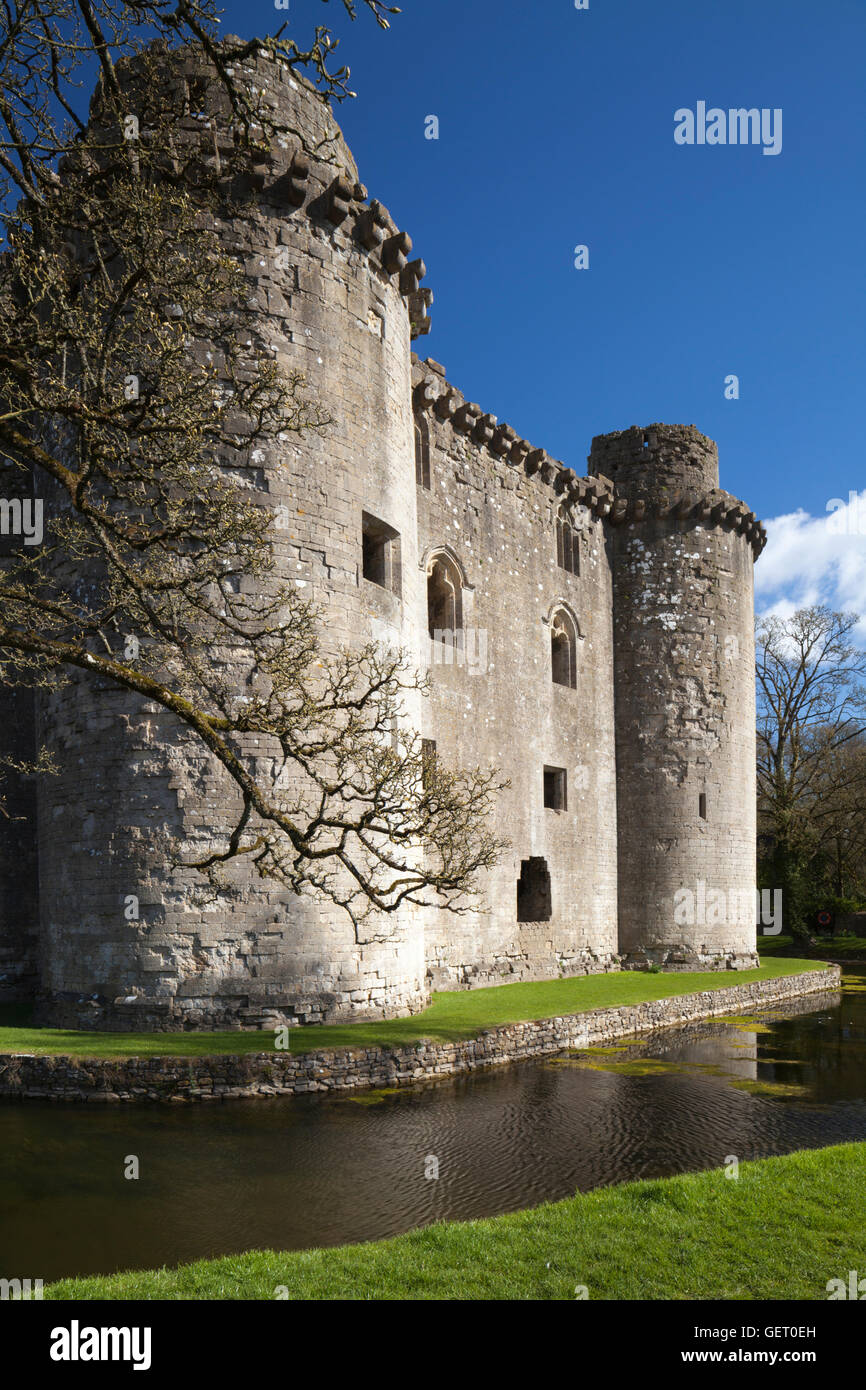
{"type": "Point", "coordinates": [781, 1230]}
{"type": "Point", "coordinates": [826, 947]}
{"type": "Point", "coordinates": [451, 1016]}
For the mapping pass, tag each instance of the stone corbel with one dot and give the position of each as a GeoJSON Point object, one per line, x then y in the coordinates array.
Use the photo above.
{"type": "Point", "coordinates": [419, 319]}
{"type": "Point", "coordinates": [483, 431]}
{"type": "Point", "coordinates": [338, 198]}
{"type": "Point", "coordinates": [411, 276]}
{"type": "Point", "coordinates": [394, 252]}
{"type": "Point", "coordinates": [517, 453]}
{"type": "Point", "coordinates": [446, 404]}
{"type": "Point", "coordinates": [465, 417]}
{"type": "Point", "coordinates": [291, 187]}
{"type": "Point", "coordinates": [424, 394]}
{"type": "Point", "coordinates": [502, 441]}
{"type": "Point", "coordinates": [371, 226]}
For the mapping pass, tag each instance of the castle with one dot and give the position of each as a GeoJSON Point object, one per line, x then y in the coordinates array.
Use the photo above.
{"type": "Point", "coordinates": [588, 633]}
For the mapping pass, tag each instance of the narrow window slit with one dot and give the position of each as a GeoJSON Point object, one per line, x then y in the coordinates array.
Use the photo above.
{"type": "Point", "coordinates": [444, 599]}
{"type": "Point", "coordinates": [563, 650]}
{"type": "Point", "coordinates": [422, 454]}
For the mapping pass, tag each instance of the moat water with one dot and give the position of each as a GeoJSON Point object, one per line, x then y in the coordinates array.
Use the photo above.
{"type": "Point", "coordinates": [288, 1174]}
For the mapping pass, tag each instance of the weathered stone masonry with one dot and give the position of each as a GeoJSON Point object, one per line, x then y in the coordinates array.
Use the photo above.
{"type": "Point", "coordinates": [597, 649]}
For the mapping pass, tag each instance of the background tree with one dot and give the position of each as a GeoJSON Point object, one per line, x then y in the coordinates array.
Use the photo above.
{"type": "Point", "coordinates": [135, 380]}
{"type": "Point", "coordinates": [811, 764]}
{"type": "Point", "coordinates": [839, 863]}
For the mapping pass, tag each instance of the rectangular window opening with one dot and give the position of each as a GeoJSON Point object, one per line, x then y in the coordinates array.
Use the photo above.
{"type": "Point", "coordinates": [555, 790]}
{"type": "Point", "coordinates": [534, 898]}
{"type": "Point", "coordinates": [702, 805]}
{"type": "Point", "coordinates": [380, 553]}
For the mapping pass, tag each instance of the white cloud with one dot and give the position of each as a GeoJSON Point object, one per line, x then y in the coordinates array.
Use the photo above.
{"type": "Point", "coordinates": [816, 559]}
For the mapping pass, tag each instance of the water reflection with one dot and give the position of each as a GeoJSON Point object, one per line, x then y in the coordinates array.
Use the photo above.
{"type": "Point", "coordinates": [321, 1171]}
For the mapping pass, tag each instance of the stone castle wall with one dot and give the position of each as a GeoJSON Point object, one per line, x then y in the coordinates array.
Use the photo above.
{"type": "Point", "coordinates": [654, 717]}
{"type": "Point", "coordinates": [494, 702]}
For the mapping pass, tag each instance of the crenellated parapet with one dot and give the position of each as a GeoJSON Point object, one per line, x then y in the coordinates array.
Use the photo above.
{"type": "Point", "coordinates": [714, 508]}
{"type": "Point", "coordinates": [654, 472]}
{"type": "Point", "coordinates": [432, 394]}
{"type": "Point", "coordinates": [670, 471]}
{"type": "Point", "coordinates": [306, 171]}
{"type": "Point", "coordinates": [301, 181]}
{"type": "Point", "coordinates": [343, 204]}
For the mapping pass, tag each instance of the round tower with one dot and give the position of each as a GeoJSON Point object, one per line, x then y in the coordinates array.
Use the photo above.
{"type": "Point", "coordinates": [127, 943]}
{"type": "Point", "coordinates": [682, 553]}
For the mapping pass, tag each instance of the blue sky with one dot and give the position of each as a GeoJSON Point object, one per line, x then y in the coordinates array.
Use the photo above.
{"type": "Point", "coordinates": [556, 129]}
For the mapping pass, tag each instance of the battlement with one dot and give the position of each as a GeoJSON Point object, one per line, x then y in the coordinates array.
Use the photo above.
{"type": "Point", "coordinates": [431, 392]}
{"type": "Point", "coordinates": [659, 454]}
{"type": "Point", "coordinates": [304, 169]}
{"type": "Point", "coordinates": [655, 471]}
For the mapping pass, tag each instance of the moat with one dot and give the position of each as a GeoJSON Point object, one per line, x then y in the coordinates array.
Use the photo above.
{"type": "Point", "coordinates": [324, 1170]}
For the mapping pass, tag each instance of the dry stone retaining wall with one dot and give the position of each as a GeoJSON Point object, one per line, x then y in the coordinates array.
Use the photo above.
{"type": "Point", "coordinates": [183, 1079]}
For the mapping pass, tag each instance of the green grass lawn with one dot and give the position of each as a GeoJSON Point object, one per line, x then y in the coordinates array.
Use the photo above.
{"type": "Point", "coordinates": [451, 1016]}
{"type": "Point", "coordinates": [781, 1230]}
{"type": "Point", "coordinates": [839, 947]}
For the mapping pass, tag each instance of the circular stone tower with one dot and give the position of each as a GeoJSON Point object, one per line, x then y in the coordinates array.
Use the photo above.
{"type": "Point", "coordinates": [682, 553]}
{"type": "Point", "coordinates": [127, 943]}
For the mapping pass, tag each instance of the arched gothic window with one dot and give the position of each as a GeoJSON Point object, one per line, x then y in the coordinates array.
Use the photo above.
{"type": "Point", "coordinates": [563, 649]}
{"type": "Point", "coordinates": [567, 542]}
{"type": "Point", "coordinates": [444, 596]}
{"type": "Point", "coordinates": [422, 453]}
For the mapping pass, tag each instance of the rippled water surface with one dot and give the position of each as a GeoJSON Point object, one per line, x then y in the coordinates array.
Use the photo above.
{"type": "Point", "coordinates": [316, 1170]}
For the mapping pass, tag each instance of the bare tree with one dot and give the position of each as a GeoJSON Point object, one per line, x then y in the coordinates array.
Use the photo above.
{"type": "Point", "coordinates": [811, 721]}
{"type": "Point", "coordinates": [143, 578]}
{"type": "Point", "coordinates": [840, 821]}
